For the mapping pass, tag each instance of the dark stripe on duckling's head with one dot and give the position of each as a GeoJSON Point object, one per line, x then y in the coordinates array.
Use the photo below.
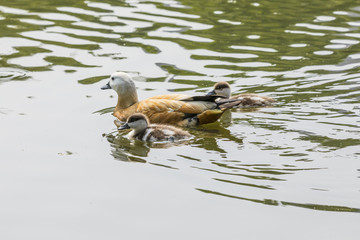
{"type": "Point", "coordinates": [221, 89]}
{"type": "Point", "coordinates": [136, 117]}
{"type": "Point", "coordinates": [221, 85]}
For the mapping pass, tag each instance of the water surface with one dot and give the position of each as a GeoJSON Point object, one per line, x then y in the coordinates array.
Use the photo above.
{"type": "Point", "coordinates": [287, 171]}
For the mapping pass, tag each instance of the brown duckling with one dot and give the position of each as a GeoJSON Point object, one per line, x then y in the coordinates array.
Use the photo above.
{"type": "Point", "coordinates": [144, 131]}
{"type": "Point", "coordinates": [246, 100]}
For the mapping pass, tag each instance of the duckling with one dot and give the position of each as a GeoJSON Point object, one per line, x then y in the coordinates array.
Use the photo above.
{"type": "Point", "coordinates": [246, 100]}
{"type": "Point", "coordinates": [144, 131]}
{"type": "Point", "coordinates": [174, 109]}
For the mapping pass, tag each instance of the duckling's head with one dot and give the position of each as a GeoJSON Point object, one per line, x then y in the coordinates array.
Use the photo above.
{"type": "Point", "coordinates": [221, 89]}
{"type": "Point", "coordinates": [137, 121]}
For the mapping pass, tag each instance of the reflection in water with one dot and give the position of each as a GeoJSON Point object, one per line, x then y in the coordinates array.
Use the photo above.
{"type": "Point", "coordinates": [9, 74]}
{"type": "Point", "coordinates": [125, 149]}
{"type": "Point", "coordinates": [303, 53]}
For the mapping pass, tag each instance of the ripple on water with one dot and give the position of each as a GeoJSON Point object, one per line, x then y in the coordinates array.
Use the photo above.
{"type": "Point", "coordinates": [9, 74]}
{"type": "Point", "coordinates": [324, 18]}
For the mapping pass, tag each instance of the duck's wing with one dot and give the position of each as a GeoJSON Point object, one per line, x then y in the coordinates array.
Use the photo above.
{"type": "Point", "coordinates": [172, 111]}
{"type": "Point", "coordinates": [161, 110]}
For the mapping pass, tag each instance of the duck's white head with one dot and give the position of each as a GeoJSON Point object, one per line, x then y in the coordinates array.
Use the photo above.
{"type": "Point", "coordinates": [124, 86]}
{"type": "Point", "coordinates": [137, 121]}
{"type": "Point", "coordinates": [221, 89]}
{"type": "Point", "coordinates": [120, 82]}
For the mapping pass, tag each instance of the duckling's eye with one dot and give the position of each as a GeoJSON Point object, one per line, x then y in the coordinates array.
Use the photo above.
{"type": "Point", "coordinates": [112, 78]}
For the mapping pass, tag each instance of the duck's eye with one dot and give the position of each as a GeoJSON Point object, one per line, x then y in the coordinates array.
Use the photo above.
{"type": "Point", "coordinates": [112, 78]}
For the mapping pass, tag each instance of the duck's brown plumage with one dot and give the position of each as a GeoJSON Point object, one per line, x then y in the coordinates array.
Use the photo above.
{"type": "Point", "coordinates": [170, 111]}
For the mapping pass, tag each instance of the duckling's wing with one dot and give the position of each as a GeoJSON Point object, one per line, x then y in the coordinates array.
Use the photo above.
{"type": "Point", "coordinates": [252, 100]}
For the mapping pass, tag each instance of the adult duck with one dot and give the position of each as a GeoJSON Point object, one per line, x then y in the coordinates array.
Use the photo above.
{"type": "Point", "coordinates": [175, 109]}
{"type": "Point", "coordinates": [245, 100]}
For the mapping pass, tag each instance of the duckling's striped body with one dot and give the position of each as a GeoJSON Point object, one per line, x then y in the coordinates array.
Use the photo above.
{"type": "Point", "coordinates": [245, 100]}
{"type": "Point", "coordinates": [159, 133]}
{"type": "Point", "coordinates": [144, 131]}
{"type": "Point", "coordinates": [175, 109]}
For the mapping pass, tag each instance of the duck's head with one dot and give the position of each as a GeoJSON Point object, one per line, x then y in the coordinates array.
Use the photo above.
{"type": "Point", "coordinates": [121, 82]}
{"type": "Point", "coordinates": [137, 121]}
{"type": "Point", "coordinates": [125, 88]}
{"type": "Point", "coordinates": [221, 89]}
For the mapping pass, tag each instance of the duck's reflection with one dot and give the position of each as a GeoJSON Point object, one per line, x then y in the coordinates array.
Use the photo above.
{"type": "Point", "coordinates": [126, 150]}
{"type": "Point", "coordinates": [205, 137]}
{"type": "Point", "coordinates": [129, 150]}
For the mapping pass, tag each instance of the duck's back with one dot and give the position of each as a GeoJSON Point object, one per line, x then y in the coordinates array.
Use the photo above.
{"type": "Point", "coordinates": [170, 96]}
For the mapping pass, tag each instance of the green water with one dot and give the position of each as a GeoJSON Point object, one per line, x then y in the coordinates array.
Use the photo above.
{"type": "Point", "coordinates": [290, 171]}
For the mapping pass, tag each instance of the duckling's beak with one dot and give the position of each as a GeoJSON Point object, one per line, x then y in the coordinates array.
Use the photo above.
{"type": "Point", "coordinates": [107, 86]}
{"type": "Point", "coordinates": [211, 93]}
{"type": "Point", "coordinates": [125, 126]}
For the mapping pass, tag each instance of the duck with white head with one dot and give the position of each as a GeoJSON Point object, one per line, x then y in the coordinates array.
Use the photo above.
{"type": "Point", "coordinates": [175, 109]}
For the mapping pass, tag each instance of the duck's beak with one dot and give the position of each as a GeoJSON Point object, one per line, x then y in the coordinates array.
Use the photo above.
{"type": "Point", "coordinates": [125, 126]}
{"type": "Point", "coordinates": [106, 86]}
{"type": "Point", "coordinates": [211, 93]}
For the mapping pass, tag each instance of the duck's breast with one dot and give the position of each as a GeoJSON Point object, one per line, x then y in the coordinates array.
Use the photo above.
{"type": "Point", "coordinates": [123, 113]}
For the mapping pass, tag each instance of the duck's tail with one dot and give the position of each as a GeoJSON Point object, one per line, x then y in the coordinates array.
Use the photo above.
{"type": "Point", "coordinates": [209, 116]}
